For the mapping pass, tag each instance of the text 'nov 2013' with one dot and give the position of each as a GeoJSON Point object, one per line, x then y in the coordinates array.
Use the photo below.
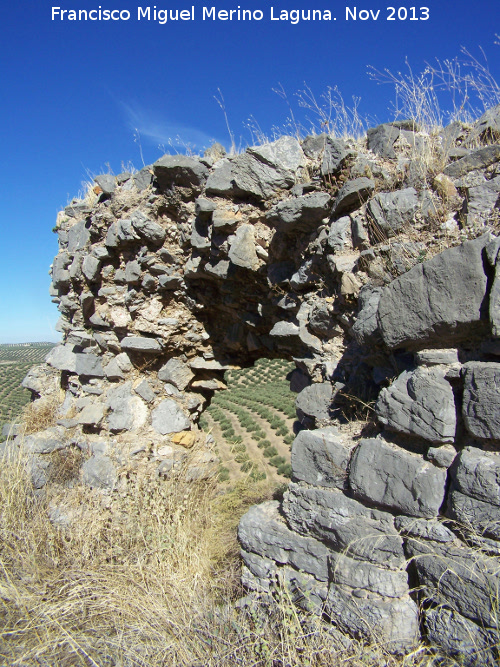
{"type": "Point", "coordinates": [292, 16]}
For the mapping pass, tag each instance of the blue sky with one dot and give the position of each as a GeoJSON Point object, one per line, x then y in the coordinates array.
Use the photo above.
{"type": "Point", "coordinates": [78, 97]}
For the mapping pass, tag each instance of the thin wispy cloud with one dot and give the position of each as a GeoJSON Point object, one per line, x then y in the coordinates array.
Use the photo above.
{"type": "Point", "coordinates": [164, 132]}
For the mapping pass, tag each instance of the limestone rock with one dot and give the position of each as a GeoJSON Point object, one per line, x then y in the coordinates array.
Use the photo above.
{"type": "Point", "coordinates": [421, 403]}
{"type": "Point", "coordinates": [344, 524]}
{"type": "Point", "coordinates": [321, 458]}
{"type": "Point", "coordinates": [315, 401]}
{"type": "Point", "coordinates": [140, 344]}
{"type": "Point", "coordinates": [127, 412]}
{"type": "Point", "coordinates": [99, 473]}
{"type": "Point", "coordinates": [375, 619]}
{"type": "Point", "coordinates": [262, 531]}
{"type": "Point", "coordinates": [460, 638]}
{"type": "Point", "coordinates": [169, 417]}
{"type": "Point", "coordinates": [437, 302]}
{"type": "Point", "coordinates": [391, 212]}
{"type": "Point", "coordinates": [300, 213]}
{"type": "Point", "coordinates": [397, 480]}
{"type": "Point", "coordinates": [242, 249]}
{"type": "Point", "coordinates": [457, 578]}
{"type": "Point", "coordinates": [180, 170]}
{"type": "Point", "coordinates": [177, 373]}
{"type": "Point", "coordinates": [481, 402]}
{"type": "Point", "coordinates": [352, 195]}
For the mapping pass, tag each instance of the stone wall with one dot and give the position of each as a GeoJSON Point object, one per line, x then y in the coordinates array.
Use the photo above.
{"type": "Point", "coordinates": [373, 264]}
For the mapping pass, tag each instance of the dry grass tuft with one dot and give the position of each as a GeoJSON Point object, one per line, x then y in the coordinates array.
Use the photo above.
{"type": "Point", "coordinates": [40, 414]}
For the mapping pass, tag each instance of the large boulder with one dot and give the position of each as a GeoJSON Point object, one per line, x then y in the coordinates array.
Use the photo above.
{"type": "Point", "coordinates": [439, 302]}
{"type": "Point", "coordinates": [481, 402]}
{"type": "Point", "coordinates": [420, 403]}
{"type": "Point", "coordinates": [321, 458]}
{"type": "Point", "coordinates": [390, 477]}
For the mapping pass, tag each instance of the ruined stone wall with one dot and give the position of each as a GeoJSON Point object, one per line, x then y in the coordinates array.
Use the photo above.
{"type": "Point", "coordinates": [373, 264]}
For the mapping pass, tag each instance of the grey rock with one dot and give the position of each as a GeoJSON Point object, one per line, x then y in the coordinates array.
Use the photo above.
{"type": "Point", "coordinates": [392, 212]}
{"type": "Point", "coordinates": [113, 371]}
{"type": "Point", "coordinates": [242, 249]}
{"type": "Point", "coordinates": [170, 283]}
{"type": "Point", "coordinates": [133, 272]}
{"type": "Point", "coordinates": [359, 235]}
{"type": "Point", "coordinates": [394, 622]}
{"type": "Point", "coordinates": [200, 364]}
{"type": "Point", "coordinates": [339, 234]}
{"type": "Point", "coordinates": [481, 401]}
{"type": "Point", "coordinates": [321, 458]}
{"type": "Point", "coordinates": [421, 403]}
{"type": "Point", "coordinates": [219, 269]}
{"type": "Point", "coordinates": [140, 344]}
{"type": "Point", "coordinates": [89, 365]}
{"type": "Point", "coordinates": [314, 145]}
{"type": "Point", "coordinates": [222, 219]}
{"type": "Point", "coordinates": [365, 328]}
{"type": "Point", "coordinates": [442, 456]}
{"type": "Point", "coordinates": [12, 430]}
{"type": "Point", "coordinates": [334, 156]}
{"type": "Point", "coordinates": [60, 275]}
{"type": "Point", "coordinates": [143, 178]}
{"type": "Point", "coordinates": [352, 195]}
{"type": "Point", "coordinates": [477, 474]}
{"type": "Point", "coordinates": [204, 207]}
{"type": "Point", "coordinates": [262, 531]}
{"type": "Point", "coordinates": [107, 183]}
{"type": "Point", "coordinates": [434, 357]}
{"type": "Point", "coordinates": [177, 373]}
{"type": "Point", "coordinates": [479, 517]}
{"type": "Point", "coordinates": [258, 573]}
{"type": "Point", "coordinates": [321, 321]}
{"type": "Point", "coordinates": [381, 140]}
{"type": "Point", "coordinates": [424, 529]}
{"type": "Point", "coordinates": [285, 330]}
{"type": "Point", "coordinates": [91, 415]}
{"type": "Point", "coordinates": [305, 276]}
{"type": "Point", "coordinates": [62, 357]}
{"type": "Point", "coordinates": [45, 442]}
{"type": "Point", "coordinates": [303, 213]}
{"type": "Point", "coordinates": [77, 209]}
{"type": "Point", "coordinates": [457, 577]}
{"type": "Point", "coordinates": [345, 571]}
{"type": "Point", "coordinates": [201, 234]}
{"type": "Point", "coordinates": [127, 412]}
{"type": "Point", "coordinates": [480, 201]}
{"type": "Point", "coordinates": [120, 233]}
{"type": "Point", "coordinates": [459, 638]}
{"type": "Point", "coordinates": [478, 159]}
{"type": "Point", "coordinates": [487, 128]}
{"type": "Point", "coordinates": [169, 417]}
{"type": "Point", "coordinates": [145, 392]}
{"type": "Point", "coordinates": [220, 181]}
{"type": "Point", "coordinates": [315, 401]}
{"type": "Point", "coordinates": [437, 302]}
{"type": "Point", "coordinates": [99, 473]}
{"type": "Point", "coordinates": [263, 170]}
{"type": "Point", "coordinates": [344, 524]}
{"type": "Point", "coordinates": [180, 170]}
{"type": "Point", "coordinates": [40, 471]}
{"type": "Point", "coordinates": [395, 479]}
{"type": "Point", "coordinates": [78, 237]}
{"type": "Point", "coordinates": [149, 230]}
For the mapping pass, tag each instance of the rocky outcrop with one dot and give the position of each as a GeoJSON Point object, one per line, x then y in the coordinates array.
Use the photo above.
{"type": "Point", "coordinates": [381, 283]}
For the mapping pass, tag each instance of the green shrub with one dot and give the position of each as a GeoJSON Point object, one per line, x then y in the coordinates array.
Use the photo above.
{"type": "Point", "coordinates": [270, 451]}
{"type": "Point", "coordinates": [277, 461]}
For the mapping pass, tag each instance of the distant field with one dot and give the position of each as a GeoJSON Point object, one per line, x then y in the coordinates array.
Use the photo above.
{"type": "Point", "coordinates": [252, 421]}
{"type": "Point", "coordinates": [15, 362]}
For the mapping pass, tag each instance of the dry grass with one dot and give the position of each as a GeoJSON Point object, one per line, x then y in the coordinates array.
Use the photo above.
{"type": "Point", "coordinates": [143, 578]}
{"type": "Point", "coordinates": [41, 414]}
